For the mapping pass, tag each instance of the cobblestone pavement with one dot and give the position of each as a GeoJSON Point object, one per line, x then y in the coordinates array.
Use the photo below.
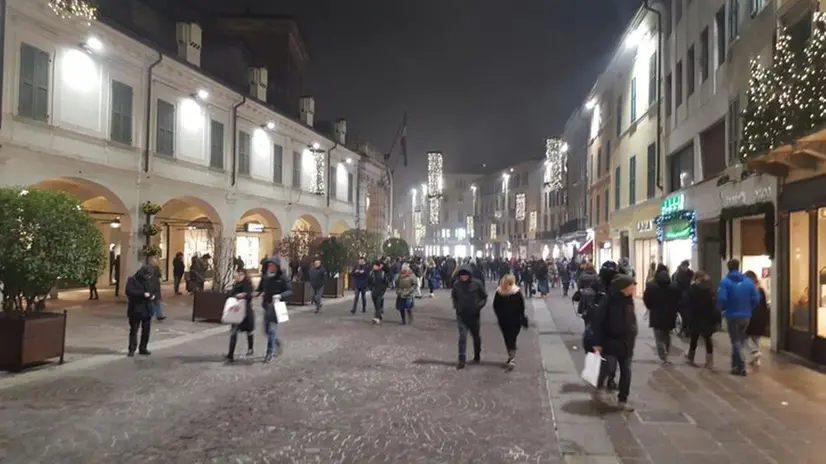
{"type": "Point", "coordinates": [342, 391]}
{"type": "Point", "coordinates": [689, 415]}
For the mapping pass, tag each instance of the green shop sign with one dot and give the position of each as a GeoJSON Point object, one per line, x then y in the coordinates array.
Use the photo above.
{"type": "Point", "coordinates": [672, 204]}
{"type": "Point", "coordinates": [678, 229]}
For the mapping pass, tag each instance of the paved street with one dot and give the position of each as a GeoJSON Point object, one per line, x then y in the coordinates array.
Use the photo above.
{"type": "Point", "coordinates": [342, 391]}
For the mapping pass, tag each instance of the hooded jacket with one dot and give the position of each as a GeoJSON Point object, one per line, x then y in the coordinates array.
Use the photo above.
{"type": "Point", "coordinates": [509, 307]}
{"type": "Point", "coordinates": [469, 296]}
{"type": "Point", "coordinates": [137, 286]}
{"type": "Point", "coordinates": [378, 282]}
{"type": "Point", "coordinates": [662, 298]}
{"type": "Point", "coordinates": [407, 283]}
{"type": "Point", "coordinates": [703, 315]}
{"type": "Point", "coordinates": [271, 285]}
{"type": "Point", "coordinates": [614, 323]}
{"type": "Point", "coordinates": [737, 296]}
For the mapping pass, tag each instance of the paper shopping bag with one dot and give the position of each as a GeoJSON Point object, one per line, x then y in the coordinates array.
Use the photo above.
{"type": "Point", "coordinates": [590, 373]}
{"type": "Point", "coordinates": [234, 311]}
{"type": "Point", "coordinates": [281, 314]}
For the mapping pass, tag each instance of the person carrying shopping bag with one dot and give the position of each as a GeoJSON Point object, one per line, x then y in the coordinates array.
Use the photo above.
{"type": "Point", "coordinates": [273, 286]}
{"type": "Point", "coordinates": [242, 291]}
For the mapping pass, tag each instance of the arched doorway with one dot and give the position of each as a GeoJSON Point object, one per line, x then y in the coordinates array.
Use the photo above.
{"type": "Point", "coordinates": [112, 218]}
{"type": "Point", "coordinates": [307, 222]}
{"type": "Point", "coordinates": [257, 236]}
{"type": "Point", "coordinates": [188, 225]}
{"type": "Point", "coordinates": [338, 228]}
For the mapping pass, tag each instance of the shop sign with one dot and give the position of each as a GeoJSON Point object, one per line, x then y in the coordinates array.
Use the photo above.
{"type": "Point", "coordinates": [645, 226]}
{"type": "Point", "coordinates": [760, 194]}
{"type": "Point", "coordinates": [673, 204]}
{"type": "Point", "coordinates": [677, 229]}
{"type": "Point", "coordinates": [253, 228]}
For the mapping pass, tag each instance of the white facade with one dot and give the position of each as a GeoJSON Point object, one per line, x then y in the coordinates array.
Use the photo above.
{"type": "Point", "coordinates": [96, 141]}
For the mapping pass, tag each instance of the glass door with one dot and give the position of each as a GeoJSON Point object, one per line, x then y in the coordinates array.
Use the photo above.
{"type": "Point", "coordinates": [800, 294]}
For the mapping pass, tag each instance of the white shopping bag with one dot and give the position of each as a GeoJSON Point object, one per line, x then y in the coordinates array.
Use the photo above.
{"type": "Point", "coordinates": [281, 314]}
{"type": "Point", "coordinates": [590, 373]}
{"type": "Point", "coordinates": [234, 311]}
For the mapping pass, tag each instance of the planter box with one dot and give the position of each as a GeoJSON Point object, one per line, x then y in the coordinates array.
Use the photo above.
{"type": "Point", "coordinates": [302, 294]}
{"type": "Point", "coordinates": [208, 305]}
{"type": "Point", "coordinates": [31, 338]}
{"type": "Point", "coordinates": [334, 288]}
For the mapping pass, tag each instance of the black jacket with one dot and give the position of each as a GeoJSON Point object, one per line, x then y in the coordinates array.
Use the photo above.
{"type": "Point", "coordinates": [703, 314]}
{"type": "Point", "coordinates": [178, 267]}
{"type": "Point", "coordinates": [137, 286]}
{"type": "Point", "coordinates": [248, 324]}
{"type": "Point", "coordinates": [662, 298]}
{"type": "Point", "coordinates": [469, 297]}
{"type": "Point", "coordinates": [614, 325]}
{"type": "Point", "coordinates": [378, 283]}
{"type": "Point", "coordinates": [317, 277]}
{"type": "Point", "coordinates": [760, 318]}
{"type": "Point", "coordinates": [271, 285]}
{"type": "Point", "coordinates": [509, 310]}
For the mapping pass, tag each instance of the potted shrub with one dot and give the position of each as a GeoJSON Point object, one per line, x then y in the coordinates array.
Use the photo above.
{"type": "Point", "coordinates": [45, 236]}
{"type": "Point", "coordinates": [333, 255]}
{"type": "Point", "coordinates": [208, 305]}
{"type": "Point", "coordinates": [395, 247]}
{"type": "Point", "coordinates": [295, 248]}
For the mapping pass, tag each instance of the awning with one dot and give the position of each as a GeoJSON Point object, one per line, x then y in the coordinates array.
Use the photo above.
{"type": "Point", "coordinates": [587, 248]}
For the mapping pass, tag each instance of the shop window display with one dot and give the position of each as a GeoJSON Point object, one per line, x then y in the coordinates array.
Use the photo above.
{"type": "Point", "coordinates": [799, 249]}
{"type": "Point", "coordinates": [821, 277]}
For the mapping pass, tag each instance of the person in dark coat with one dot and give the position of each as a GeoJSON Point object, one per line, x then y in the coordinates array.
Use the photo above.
{"type": "Point", "coordinates": [360, 275]}
{"type": "Point", "coordinates": [662, 298]}
{"type": "Point", "coordinates": [509, 307]}
{"type": "Point", "coordinates": [274, 286]}
{"type": "Point", "coordinates": [317, 277]}
{"type": "Point", "coordinates": [378, 282]}
{"type": "Point", "coordinates": [139, 309]}
{"type": "Point", "coordinates": [155, 281]}
{"type": "Point", "coordinates": [468, 297]}
{"type": "Point", "coordinates": [614, 327]}
{"type": "Point", "coordinates": [242, 290]}
{"type": "Point", "coordinates": [527, 280]}
{"type": "Point", "coordinates": [564, 277]}
{"type": "Point", "coordinates": [682, 278]}
{"type": "Point", "coordinates": [703, 317]}
{"type": "Point", "coordinates": [178, 269]}
{"type": "Point", "coordinates": [760, 320]}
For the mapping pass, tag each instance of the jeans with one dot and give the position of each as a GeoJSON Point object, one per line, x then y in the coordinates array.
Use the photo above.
{"type": "Point", "coordinates": [663, 340]}
{"type": "Point", "coordinates": [378, 304]}
{"type": "Point", "coordinates": [363, 293]}
{"type": "Point", "coordinates": [176, 282]}
{"type": "Point", "coordinates": [144, 325]}
{"type": "Point", "coordinates": [737, 333]}
{"type": "Point", "coordinates": [469, 324]}
{"type": "Point", "coordinates": [609, 367]}
{"type": "Point", "coordinates": [317, 294]}
{"type": "Point", "coordinates": [272, 338]}
{"type": "Point", "coordinates": [157, 310]}
{"type": "Point", "coordinates": [754, 343]}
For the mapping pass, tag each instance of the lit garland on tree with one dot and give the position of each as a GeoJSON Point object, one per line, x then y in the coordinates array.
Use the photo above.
{"type": "Point", "coordinates": [74, 9]}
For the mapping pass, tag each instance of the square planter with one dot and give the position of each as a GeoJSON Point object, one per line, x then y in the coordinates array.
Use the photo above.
{"type": "Point", "coordinates": [208, 305]}
{"type": "Point", "coordinates": [302, 294]}
{"type": "Point", "coordinates": [31, 338]}
{"type": "Point", "coordinates": [334, 288]}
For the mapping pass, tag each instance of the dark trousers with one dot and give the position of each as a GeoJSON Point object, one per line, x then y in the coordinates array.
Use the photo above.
{"type": "Point", "coordinates": [363, 293]}
{"type": "Point", "coordinates": [93, 291]}
{"type": "Point", "coordinates": [695, 337]}
{"type": "Point", "coordinates": [233, 340]}
{"type": "Point", "coordinates": [145, 325]}
{"type": "Point", "coordinates": [469, 324]}
{"type": "Point", "coordinates": [608, 370]}
{"type": "Point", "coordinates": [318, 293]}
{"type": "Point", "coordinates": [176, 282]}
{"type": "Point", "coordinates": [565, 287]}
{"type": "Point", "coordinates": [510, 334]}
{"type": "Point", "coordinates": [378, 304]}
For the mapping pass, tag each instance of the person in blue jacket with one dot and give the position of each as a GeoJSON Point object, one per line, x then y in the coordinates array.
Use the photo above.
{"type": "Point", "coordinates": [737, 297]}
{"type": "Point", "coordinates": [360, 275]}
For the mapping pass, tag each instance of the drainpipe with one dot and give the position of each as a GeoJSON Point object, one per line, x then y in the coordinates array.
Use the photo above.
{"type": "Point", "coordinates": [148, 121]}
{"type": "Point", "coordinates": [390, 181]}
{"type": "Point", "coordinates": [357, 197]}
{"type": "Point", "coordinates": [330, 178]}
{"type": "Point", "coordinates": [235, 139]}
{"type": "Point", "coordinates": [2, 47]}
{"type": "Point", "coordinates": [648, 7]}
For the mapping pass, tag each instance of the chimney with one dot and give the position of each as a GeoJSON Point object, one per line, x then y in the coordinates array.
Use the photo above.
{"type": "Point", "coordinates": [189, 42]}
{"type": "Point", "coordinates": [341, 131]}
{"type": "Point", "coordinates": [307, 109]}
{"type": "Point", "coordinates": [258, 83]}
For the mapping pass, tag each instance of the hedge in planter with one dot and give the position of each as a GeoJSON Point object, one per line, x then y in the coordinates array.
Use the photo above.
{"type": "Point", "coordinates": [333, 258]}
{"type": "Point", "coordinates": [45, 236]}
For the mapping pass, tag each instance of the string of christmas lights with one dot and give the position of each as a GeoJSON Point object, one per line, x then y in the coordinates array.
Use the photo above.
{"type": "Point", "coordinates": [532, 221]}
{"type": "Point", "coordinates": [435, 184]}
{"type": "Point", "coordinates": [319, 172]}
{"type": "Point", "coordinates": [683, 215]}
{"type": "Point", "coordinates": [520, 206]}
{"type": "Point", "coordinates": [493, 231]}
{"type": "Point", "coordinates": [74, 10]}
{"type": "Point", "coordinates": [555, 153]}
{"type": "Point", "coordinates": [469, 224]}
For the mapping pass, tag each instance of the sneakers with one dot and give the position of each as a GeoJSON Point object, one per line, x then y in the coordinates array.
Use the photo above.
{"type": "Point", "coordinates": [144, 352]}
{"type": "Point", "coordinates": [376, 321]}
{"type": "Point", "coordinates": [510, 365]}
{"type": "Point", "coordinates": [624, 406]}
{"type": "Point", "coordinates": [689, 359]}
{"type": "Point", "coordinates": [250, 353]}
{"type": "Point", "coordinates": [755, 360]}
{"type": "Point", "coordinates": [460, 364]}
{"type": "Point", "coordinates": [267, 359]}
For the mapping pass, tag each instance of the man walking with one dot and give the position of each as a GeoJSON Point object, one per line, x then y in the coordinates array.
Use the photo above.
{"type": "Point", "coordinates": [737, 297]}
{"type": "Point", "coordinates": [469, 297]}
{"type": "Point", "coordinates": [274, 286]}
{"type": "Point", "coordinates": [318, 276]}
{"type": "Point", "coordinates": [360, 274]}
{"type": "Point", "coordinates": [378, 287]}
{"type": "Point", "coordinates": [178, 269]}
{"type": "Point", "coordinates": [139, 310]}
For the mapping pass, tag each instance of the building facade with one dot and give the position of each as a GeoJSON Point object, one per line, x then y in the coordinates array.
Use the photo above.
{"type": "Point", "coordinates": [573, 234]}
{"type": "Point", "coordinates": [454, 233]}
{"type": "Point", "coordinates": [91, 111]}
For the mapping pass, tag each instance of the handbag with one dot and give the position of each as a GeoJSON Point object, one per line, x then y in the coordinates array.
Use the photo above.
{"type": "Point", "coordinates": [234, 311]}
{"type": "Point", "coordinates": [593, 364]}
{"type": "Point", "coordinates": [281, 314]}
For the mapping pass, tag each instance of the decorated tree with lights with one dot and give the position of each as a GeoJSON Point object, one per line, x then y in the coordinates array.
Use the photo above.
{"type": "Point", "coordinates": [813, 91]}
{"type": "Point", "coordinates": [784, 104]}
{"type": "Point", "coordinates": [755, 118]}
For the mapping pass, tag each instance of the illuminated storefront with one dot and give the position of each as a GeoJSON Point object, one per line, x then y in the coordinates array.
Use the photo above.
{"type": "Point", "coordinates": [676, 230]}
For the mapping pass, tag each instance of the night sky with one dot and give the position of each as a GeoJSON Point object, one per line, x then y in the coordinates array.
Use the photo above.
{"type": "Point", "coordinates": [484, 81]}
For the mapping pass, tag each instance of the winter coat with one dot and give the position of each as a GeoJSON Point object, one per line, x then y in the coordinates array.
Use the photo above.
{"type": "Point", "coordinates": [589, 279]}
{"type": "Point", "coordinates": [614, 325]}
{"type": "Point", "coordinates": [509, 307]}
{"type": "Point", "coordinates": [155, 283]}
{"type": "Point", "coordinates": [271, 285]}
{"type": "Point", "coordinates": [564, 274]}
{"type": "Point", "coordinates": [318, 277]}
{"type": "Point", "coordinates": [662, 298]}
{"type": "Point", "coordinates": [360, 274]}
{"type": "Point", "coordinates": [245, 287]}
{"type": "Point", "coordinates": [178, 267]}
{"type": "Point", "coordinates": [378, 283]}
{"type": "Point", "coordinates": [406, 285]}
{"type": "Point", "coordinates": [737, 296]}
{"type": "Point", "coordinates": [137, 286]}
{"type": "Point", "coordinates": [760, 318]}
{"type": "Point", "coordinates": [469, 296]}
{"type": "Point", "coordinates": [703, 314]}
{"type": "Point", "coordinates": [542, 272]}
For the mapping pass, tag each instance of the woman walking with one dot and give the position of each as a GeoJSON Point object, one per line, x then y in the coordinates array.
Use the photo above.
{"type": "Point", "coordinates": [509, 306]}
{"type": "Point", "coordinates": [405, 292]}
{"type": "Point", "coordinates": [759, 322]}
{"type": "Point", "coordinates": [703, 317]}
{"type": "Point", "coordinates": [242, 290]}
{"type": "Point", "coordinates": [661, 298]}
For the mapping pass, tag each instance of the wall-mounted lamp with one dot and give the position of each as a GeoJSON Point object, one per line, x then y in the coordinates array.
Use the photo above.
{"type": "Point", "coordinates": [316, 146]}
{"type": "Point", "coordinates": [591, 104]}
{"type": "Point", "coordinates": [93, 44]}
{"type": "Point", "coordinates": [201, 94]}
{"type": "Point", "coordinates": [269, 125]}
{"type": "Point", "coordinates": [349, 161]}
{"type": "Point", "coordinates": [115, 224]}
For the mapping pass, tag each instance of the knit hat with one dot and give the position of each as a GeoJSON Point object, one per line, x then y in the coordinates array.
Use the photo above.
{"type": "Point", "coordinates": [621, 282]}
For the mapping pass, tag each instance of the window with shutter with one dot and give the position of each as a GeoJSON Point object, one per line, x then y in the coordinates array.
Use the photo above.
{"type": "Point", "coordinates": [278, 164]}
{"type": "Point", "coordinates": [33, 100]}
{"type": "Point", "coordinates": [296, 169]}
{"type": "Point", "coordinates": [243, 153]}
{"type": "Point", "coordinates": [165, 136]}
{"type": "Point", "coordinates": [216, 145]}
{"type": "Point", "coordinates": [120, 129]}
